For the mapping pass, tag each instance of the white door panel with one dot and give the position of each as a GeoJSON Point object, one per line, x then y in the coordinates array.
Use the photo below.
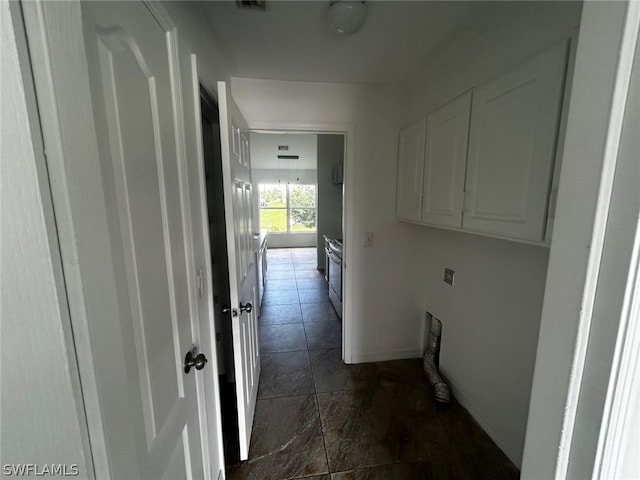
{"type": "Point", "coordinates": [133, 92]}
{"type": "Point", "coordinates": [242, 276]}
{"type": "Point", "coordinates": [411, 144]}
{"type": "Point", "coordinates": [445, 163]}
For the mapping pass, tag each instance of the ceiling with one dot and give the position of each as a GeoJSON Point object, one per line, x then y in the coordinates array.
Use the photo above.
{"type": "Point", "coordinates": [265, 151]}
{"type": "Point", "coordinates": [292, 40]}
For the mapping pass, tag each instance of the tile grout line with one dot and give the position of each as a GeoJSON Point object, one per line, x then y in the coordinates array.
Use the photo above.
{"type": "Point", "coordinates": [315, 393]}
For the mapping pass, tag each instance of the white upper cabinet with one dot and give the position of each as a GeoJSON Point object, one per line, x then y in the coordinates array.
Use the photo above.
{"type": "Point", "coordinates": [410, 168]}
{"type": "Point", "coordinates": [444, 163]}
{"type": "Point", "coordinates": [484, 161]}
{"type": "Point", "coordinates": [514, 128]}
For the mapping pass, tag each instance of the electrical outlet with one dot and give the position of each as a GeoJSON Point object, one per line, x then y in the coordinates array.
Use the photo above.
{"type": "Point", "coordinates": [368, 239]}
{"type": "Point", "coordinates": [448, 276]}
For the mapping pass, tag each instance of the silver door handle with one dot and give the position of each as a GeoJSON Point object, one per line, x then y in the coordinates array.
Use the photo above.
{"type": "Point", "coordinates": [227, 309]}
{"type": "Point", "coordinates": [191, 360]}
{"type": "Point", "coordinates": [246, 308]}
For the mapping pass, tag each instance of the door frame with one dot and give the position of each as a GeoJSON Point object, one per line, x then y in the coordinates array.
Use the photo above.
{"type": "Point", "coordinates": [348, 209]}
{"type": "Point", "coordinates": [55, 31]}
{"type": "Point", "coordinates": [567, 385]}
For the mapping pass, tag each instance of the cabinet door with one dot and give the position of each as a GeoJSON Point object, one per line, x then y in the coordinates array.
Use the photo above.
{"type": "Point", "coordinates": [514, 127]}
{"type": "Point", "coordinates": [410, 168]}
{"type": "Point", "coordinates": [445, 163]}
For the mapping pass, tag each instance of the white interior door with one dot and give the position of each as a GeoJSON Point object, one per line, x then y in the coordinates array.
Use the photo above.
{"type": "Point", "coordinates": [132, 75]}
{"type": "Point", "coordinates": [242, 276]}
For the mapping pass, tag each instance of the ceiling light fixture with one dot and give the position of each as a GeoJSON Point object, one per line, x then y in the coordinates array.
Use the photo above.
{"type": "Point", "coordinates": [347, 16]}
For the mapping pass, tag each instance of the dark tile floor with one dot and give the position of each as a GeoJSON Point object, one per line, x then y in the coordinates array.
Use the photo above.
{"type": "Point", "coordinates": [317, 418]}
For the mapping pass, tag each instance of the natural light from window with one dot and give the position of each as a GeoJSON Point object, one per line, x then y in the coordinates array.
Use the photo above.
{"type": "Point", "coordinates": [287, 208]}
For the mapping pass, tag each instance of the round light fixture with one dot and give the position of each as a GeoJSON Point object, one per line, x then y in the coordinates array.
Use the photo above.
{"type": "Point", "coordinates": [346, 16]}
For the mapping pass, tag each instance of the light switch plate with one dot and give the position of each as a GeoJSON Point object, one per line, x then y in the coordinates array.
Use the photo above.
{"type": "Point", "coordinates": [449, 276]}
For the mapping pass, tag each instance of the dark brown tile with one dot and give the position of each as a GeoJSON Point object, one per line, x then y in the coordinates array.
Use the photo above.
{"type": "Point", "coordinates": [331, 374]}
{"type": "Point", "coordinates": [280, 275]}
{"type": "Point", "coordinates": [307, 266]}
{"type": "Point", "coordinates": [280, 260]}
{"type": "Point", "coordinates": [280, 267]}
{"type": "Point", "coordinates": [314, 282]}
{"type": "Point", "coordinates": [279, 297]}
{"type": "Point", "coordinates": [358, 428]}
{"type": "Point", "coordinates": [277, 314]}
{"type": "Point", "coordinates": [397, 471]}
{"type": "Point", "coordinates": [282, 338]}
{"type": "Point", "coordinates": [448, 439]}
{"type": "Point", "coordinates": [286, 441]}
{"type": "Point", "coordinates": [281, 284]}
{"type": "Point", "coordinates": [323, 335]}
{"type": "Point", "coordinates": [319, 312]}
{"type": "Point", "coordinates": [274, 253]}
{"type": "Point", "coordinates": [306, 255]}
{"type": "Point", "coordinates": [285, 374]}
{"type": "Point", "coordinates": [313, 295]}
{"type": "Point", "coordinates": [302, 274]}
{"type": "Point", "coordinates": [401, 371]}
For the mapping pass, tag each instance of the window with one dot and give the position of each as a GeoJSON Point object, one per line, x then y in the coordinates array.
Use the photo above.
{"type": "Point", "coordinates": [287, 208]}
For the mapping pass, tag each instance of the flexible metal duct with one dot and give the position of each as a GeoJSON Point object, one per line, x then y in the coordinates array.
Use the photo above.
{"type": "Point", "coordinates": [441, 392]}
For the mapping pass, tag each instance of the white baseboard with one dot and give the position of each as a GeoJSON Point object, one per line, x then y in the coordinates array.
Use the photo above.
{"type": "Point", "coordinates": [514, 453]}
{"type": "Point", "coordinates": [385, 356]}
{"type": "Point", "coordinates": [293, 240]}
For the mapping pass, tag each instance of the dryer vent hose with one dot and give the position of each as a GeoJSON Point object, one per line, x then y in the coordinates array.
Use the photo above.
{"type": "Point", "coordinates": [441, 392]}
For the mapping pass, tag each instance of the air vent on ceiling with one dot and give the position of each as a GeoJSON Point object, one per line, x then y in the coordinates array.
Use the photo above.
{"type": "Point", "coordinates": [252, 4]}
{"type": "Point", "coordinates": [288, 157]}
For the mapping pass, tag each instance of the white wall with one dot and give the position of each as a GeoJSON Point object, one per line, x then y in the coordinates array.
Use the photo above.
{"type": "Point", "coordinates": [330, 157]}
{"type": "Point", "coordinates": [385, 304]}
{"type": "Point", "coordinates": [42, 413]}
{"type": "Point", "coordinates": [491, 316]}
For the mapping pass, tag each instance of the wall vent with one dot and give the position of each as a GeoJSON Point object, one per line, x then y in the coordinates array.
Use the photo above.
{"type": "Point", "coordinates": [288, 157]}
{"type": "Point", "coordinates": [252, 4]}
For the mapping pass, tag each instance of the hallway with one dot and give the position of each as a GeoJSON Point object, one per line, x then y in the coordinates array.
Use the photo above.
{"type": "Point", "coordinates": [318, 418]}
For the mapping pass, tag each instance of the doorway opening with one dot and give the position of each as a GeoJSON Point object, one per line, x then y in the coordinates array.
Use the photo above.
{"type": "Point", "coordinates": [299, 179]}
{"type": "Point", "coordinates": [210, 119]}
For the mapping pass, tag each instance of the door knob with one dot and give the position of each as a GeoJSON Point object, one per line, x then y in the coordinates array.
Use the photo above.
{"type": "Point", "coordinates": [198, 362]}
{"type": "Point", "coordinates": [227, 309]}
{"type": "Point", "coordinates": [246, 308]}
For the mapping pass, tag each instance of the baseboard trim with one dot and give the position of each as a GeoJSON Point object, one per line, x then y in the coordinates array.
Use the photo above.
{"type": "Point", "coordinates": [514, 454]}
{"type": "Point", "coordinates": [385, 356]}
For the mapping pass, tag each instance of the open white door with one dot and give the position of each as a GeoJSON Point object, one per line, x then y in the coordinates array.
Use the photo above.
{"type": "Point", "coordinates": [134, 93]}
{"type": "Point", "coordinates": [236, 174]}
{"type": "Point", "coordinates": [111, 121]}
